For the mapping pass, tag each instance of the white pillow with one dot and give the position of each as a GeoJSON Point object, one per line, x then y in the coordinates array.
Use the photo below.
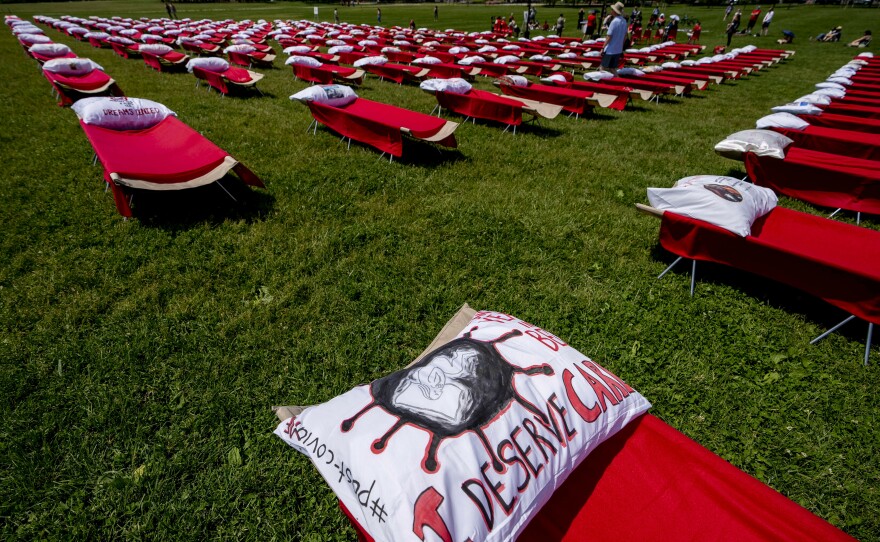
{"type": "Point", "coordinates": [51, 50]}
{"type": "Point", "coordinates": [565, 56]}
{"type": "Point", "coordinates": [865, 55]}
{"type": "Point", "coordinates": [459, 50]}
{"type": "Point", "coordinates": [826, 84]}
{"type": "Point", "coordinates": [671, 65]}
{"type": "Point", "coordinates": [541, 58]}
{"type": "Point", "coordinates": [121, 113]}
{"type": "Point", "coordinates": [468, 60]}
{"type": "Point", "coordinates": [208, 63]}
{"type": "Point", "coordinates": [631, 71]}
{"type": "Point", "coordinates": [455, 85]}
{"type": "Point", "coordinates": [240, 48]}
{"type": "Point", "coordinates": [592, 54]}
{"type": "Point", "coordinates": [71, 66]}
{"type": "Point", "coordinates": [556, 77]}
{"type": "Point", "coordinates": [723, 201]}
{"type": "Point", "coordinates": [506, 59]}
{"type": "Point", "coordinates": [760, 142]}
{"type": "Point", "coordinates": [367, 43]}
{"type": "Point", "coordinates": [96, 35]}
{"type": "Point", "coordinates": [842, 80]}
{"type": "Point", "coordinates": [830, 92]}
{"type": "Point", "coordinates": [816, 99]}
{"type": "Point", "coordinates": [688, 62]}
{"type": "Point", "coordinates": [158, 49]}
{"type": "Point", "coordinates": [335, 95]}
{"type": "Point", "coordinates": [31, 39]}
{"type": "Point", "coordinates": [297, 50]}
{"type": "Point", "coordinates": [120, 40]}
{"type": "Point", "coordinates": [798, 108]}
{"type": "Point", "coordinates": [515, 80]}
{"type": "Point", "coordinates": [427, 60]}
{"type": "Point", "coordinates": [304, 61]}
{"type": "Point", "coordinates": [781, 120]}
{"type": "Point", "coordinates": [597, 76]}
{"type": "Point", "coordinates": [428, 436]}
{"type": "Point", "coordinates": [370, 61]}
{"type": "Point", "coordinates": [339, 49]}
{"type": "Point", "coordinates": [386, 50]}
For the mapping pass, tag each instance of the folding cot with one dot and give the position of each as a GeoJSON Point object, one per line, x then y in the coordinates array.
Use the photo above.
{"type": "Point", "coordinates": [622, 94]}
{"type": "Point", "coordinates": [125, 51]}
{"type": "Point", "coordinates": [480, 104]}
{"type": "Point", "coordinates": [259, 59]}
{"type": "Point", "coordinates": [575, 102]}
{"type": "Point", "coordinates": [650, 482]}
{"type": "Point", "coordinates": [399, 73]}
{"type": "Point", "coordinates": [383, 126]}
{"type": "Point", "coordinates": [834, 261]}
{"type": "Point", "coordinates": [43, 58]}
{"type": "Point", "coordinates": [835, 141]}
{"type": "Point", "coordinates": [820, 178]}
{"type": "Point", "coordinates": [230, 80]}
{"type": "Point", "coordinates": [844, 122]}
{"type": "Point", "coordinates": [327, 74]}
{"type": "Point", "coordinates": [167, 156]}
{"type": "Point", "coordinates": [70, 88]}
{"type": "Point", "coordinates": [201, 48]}
{"type": "Point", "coordinates": [170, 61]}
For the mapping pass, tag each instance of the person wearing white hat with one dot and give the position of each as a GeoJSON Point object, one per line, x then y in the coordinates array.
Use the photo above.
{"type": "Point", "coordinates": [612, 52]}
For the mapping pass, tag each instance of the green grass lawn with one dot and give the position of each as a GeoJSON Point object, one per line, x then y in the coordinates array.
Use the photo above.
{"type": "Point", "coordinates": [139, 359]}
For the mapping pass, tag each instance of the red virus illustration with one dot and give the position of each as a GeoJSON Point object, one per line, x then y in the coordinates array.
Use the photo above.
{"type": "Point", "coordinates": [459, 387]}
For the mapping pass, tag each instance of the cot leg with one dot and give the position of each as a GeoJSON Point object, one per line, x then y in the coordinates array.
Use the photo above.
{"type": "Point", "coordinates": [514, 129]}
{"type": "Point", "coordinates": [506, 128]}
{"type": "Point", "coordinates": [95, 159]}
{"type": "Point", "coordinates": [859, 217]}
{"type": "Point", "coordinates": [309, 129]}
{"type": "Point", "coordinates": [227, 191]}
{"type": "Point", "coordinates": [693, 276]}
{"type": "Point", "coordinates": [868, 342]}
{"type": "Point", "coordinates": [833, 329]}
{"type": "Point", "coordinates": [668, 269]}
{"type": "Point", "coordinates": [435, 109]}
{"type": "Point", "coordinates": [834, 213]}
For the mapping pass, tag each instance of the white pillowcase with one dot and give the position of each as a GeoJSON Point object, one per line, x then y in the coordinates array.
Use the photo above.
{"type": "Point", "coordinates": [556, 77]}
{"type": "Point", "coordinates": [515, 80]}
{"type": "Point", "coordinates": [842, 80]}
{"type": "Point", "coordinates": [31, 39]}
{"type": "Point", "coordinates": [541, 58]}
{"type": "Point", "coordinates": [370, 61]}
{"type": "Point", "coordinates": [760, 142]}
{"type": "Point", "coordinates": [52, 50]}
{"type": "Point", "coordinates": [723, 201]}
{"type": "Point", "coordinates": [506, 402]}
{"type": "Point", "coordinates": [671, 65]}
{"type": "Point", "coordinates": [336, 49]}
{"type": "Point", "coordinates": [335, 95]}
{"type": "Point", "coordinates": [827, 84]}
{"type": "Point", "coordinates": [830, 92]}
{"type": "Point", "coordinates": [468, 60]}
{"type": "Point", "coordinates": [71, 66]}
{"type": "Point", "coordinates": [506, 59]}
{"type": "Point", "coordinates": [158, 49]}
{"type": "Point", "coordinates": [240, 48]}
{"type": "Point", "coordinates": [455, 85]}
{"type": "Point", "coordinates": [298, 50]}
{"type": "Point", "coordinates": [631, 71]}
{"type": "Point", "coordinates": [208, 63]}
{"type": "Point", "coordinates": [304, 61]}
{"type": "Point", "coordinates": [121, 113]}
{"type": "Point", "coordinates": [798, 108]}
{"type": "Point", "coordinates": [781, 120]}
{"type": "Point", "coordinates": [597, 76]}
{"type": "Point", "coordinates": [429, 60]}
{"type": "Point", "coordinates": [817, 99]}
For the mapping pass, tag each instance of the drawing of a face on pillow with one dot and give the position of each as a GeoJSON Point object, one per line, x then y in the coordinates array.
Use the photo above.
{"type": "Point", "coordinates": [458, 387]}
{"type": "Point", "coordinates": [723, 191]}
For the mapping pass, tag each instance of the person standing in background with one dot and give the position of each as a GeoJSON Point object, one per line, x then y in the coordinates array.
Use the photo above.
{"type": "Point", "coordinates": [765, 24]}
{"type": "Point", "coordinates": [753, 19]}
{"type": "Point", "coordinates": [590, 28]}
{"type": "Point", "coordinates": [733, 25]}
{"type": "Point", "coordinates": [436, 13]}
{"type": "Point", "coordinates": [560, 24]}
{"type": "Point", "coordinates": [612, 51]}
{"type": "Point", "coordinates": [379, 15]}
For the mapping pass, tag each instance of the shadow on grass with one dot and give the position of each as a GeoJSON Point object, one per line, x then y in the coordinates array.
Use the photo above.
{"type": "Point", "coordinates": [769, 292]}
{"type": "Point", "coordinates": [228, 199]}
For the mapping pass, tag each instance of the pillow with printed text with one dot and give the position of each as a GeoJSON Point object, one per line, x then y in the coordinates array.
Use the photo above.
{"type": "Point", "coordinates": [469, 442]}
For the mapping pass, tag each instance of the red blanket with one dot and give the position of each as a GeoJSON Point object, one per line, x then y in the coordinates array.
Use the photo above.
{"type": "Point", "coordinates": [831, 260]}
{"type": "Point", "coordinates": [380, 125]}
{"type": "Point", "coordinates": [836, 141]}
{"type": "Point", "coordinates": [483, 105]}
{"type": "Point", "coordinates": [573, 101]}
{"type": "Point", "coordinates": [652, 483]}
{"type": "Point", "coordinates": [844, 122]}
{"type": "Point", "coordinates": [168, 156]}
{"type": "Point", "coordinates": [820, 178]}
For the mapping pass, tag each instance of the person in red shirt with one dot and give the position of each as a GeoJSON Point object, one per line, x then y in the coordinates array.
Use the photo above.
{"type": "Point", "coordinates": [590, 28]}
{"type": "Point", "coordinates": [753, 19]}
